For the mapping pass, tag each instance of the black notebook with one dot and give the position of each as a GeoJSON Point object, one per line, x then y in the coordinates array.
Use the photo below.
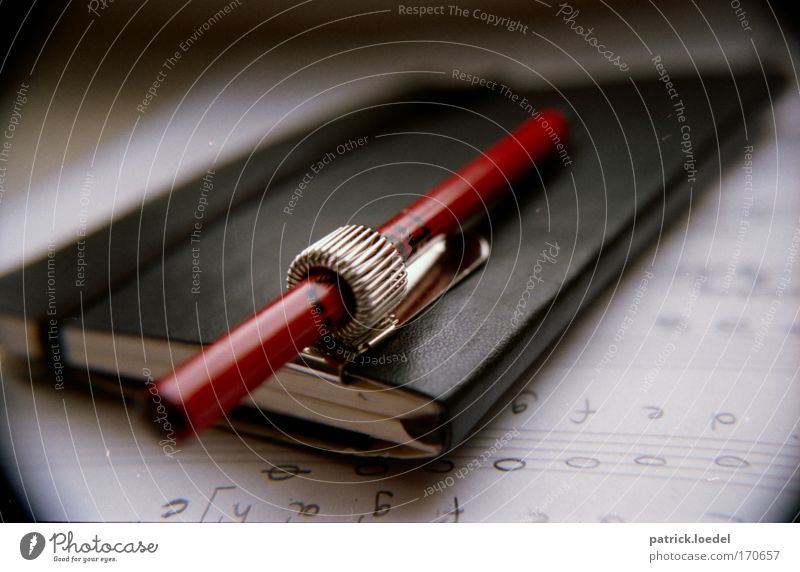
{"type": "Point", "coordinates": [636, 154]}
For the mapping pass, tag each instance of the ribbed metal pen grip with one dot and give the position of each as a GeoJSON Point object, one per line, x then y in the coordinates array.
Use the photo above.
{"type": "Point", "coordinates": [368, 266]}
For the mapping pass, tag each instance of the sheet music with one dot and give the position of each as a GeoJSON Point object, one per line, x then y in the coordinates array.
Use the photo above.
{"type": "Point", "coordinates": [676, 398]}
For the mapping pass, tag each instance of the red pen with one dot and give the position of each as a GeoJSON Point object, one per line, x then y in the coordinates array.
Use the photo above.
{"type": "Point", "coordinates": [347, 283]}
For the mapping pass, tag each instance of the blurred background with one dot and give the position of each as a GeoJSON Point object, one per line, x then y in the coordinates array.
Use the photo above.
{"type": "Point", "coordinates": [264, 70]}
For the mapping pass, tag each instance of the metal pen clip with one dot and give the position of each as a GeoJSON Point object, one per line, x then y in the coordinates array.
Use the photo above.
{"type": "Point", "coordinates": [442, 264]}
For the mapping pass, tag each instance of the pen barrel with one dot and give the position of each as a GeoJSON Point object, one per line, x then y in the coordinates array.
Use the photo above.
{"type": "Point", "coordinates": [204, 388]}
{"type": "Point", "coordinates": [474, 188]}
{"type": "Point", "coordinates": [208, 385]}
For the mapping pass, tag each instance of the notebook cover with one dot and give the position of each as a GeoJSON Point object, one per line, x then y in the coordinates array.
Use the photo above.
{"type": "Point", "coordinates": [38, 296]}
{"type": "Point", "coordinates": [636, 155]}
